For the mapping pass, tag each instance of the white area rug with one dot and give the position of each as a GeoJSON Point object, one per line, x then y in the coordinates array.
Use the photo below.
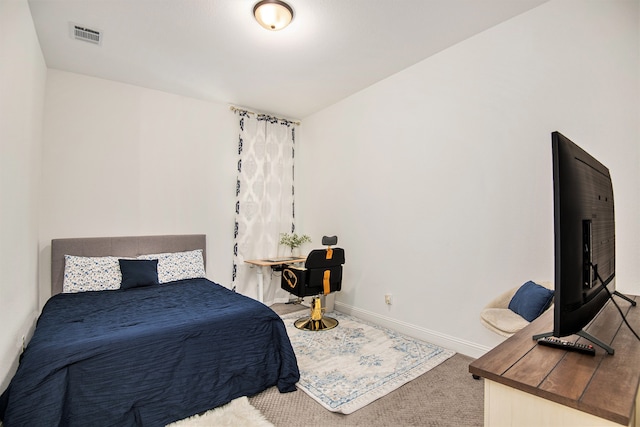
{"type": "Point", "coordinates": [237, 413]}
{"type": "Point", "coordinates": [355, 363]}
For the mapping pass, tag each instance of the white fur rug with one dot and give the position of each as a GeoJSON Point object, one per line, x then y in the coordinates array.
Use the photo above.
{"type": "Point", "coordinates": [237, 413]}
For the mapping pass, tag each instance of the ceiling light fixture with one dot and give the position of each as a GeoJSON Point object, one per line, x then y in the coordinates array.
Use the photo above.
{"type": "Point", "coordinates": [273, 15]}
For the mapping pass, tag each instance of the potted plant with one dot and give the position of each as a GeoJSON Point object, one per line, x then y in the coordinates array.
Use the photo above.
{"type": "Point", "coordinates": [293, 240]}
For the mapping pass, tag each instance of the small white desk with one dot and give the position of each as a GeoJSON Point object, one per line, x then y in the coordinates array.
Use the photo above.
{"type": "Point", "coordinates": [270, 262]}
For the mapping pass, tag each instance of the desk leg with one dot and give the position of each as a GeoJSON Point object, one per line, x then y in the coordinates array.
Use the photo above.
{"type": "Point", "coordinates": [260, 284]}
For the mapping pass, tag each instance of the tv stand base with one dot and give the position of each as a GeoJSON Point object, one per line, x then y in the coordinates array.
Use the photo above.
{"type": "Point", "coordinates": [588, 336]}
{"type": "Point", "coordinates": [624, 297]}
{"type": "Point", "coordinates": [584, 335]}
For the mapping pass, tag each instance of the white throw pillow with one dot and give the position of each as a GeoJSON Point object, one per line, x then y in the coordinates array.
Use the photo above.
{"type": "Point", "coordinates": [178, 265]}
{"type": "Point", "coordinates": [83, 274]}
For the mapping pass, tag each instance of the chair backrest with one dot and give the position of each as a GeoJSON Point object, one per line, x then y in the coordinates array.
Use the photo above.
{"type": "Point", "coordinates": [321, 258]}
{"type": "Point", "coordinates": [324, 270]}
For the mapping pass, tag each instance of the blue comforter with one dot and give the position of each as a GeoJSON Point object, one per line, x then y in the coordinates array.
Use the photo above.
{"type": "Point", "coordinates": [146, 356]}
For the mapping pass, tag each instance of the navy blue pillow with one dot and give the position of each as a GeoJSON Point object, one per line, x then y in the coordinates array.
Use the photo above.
{"type": "Point", "coordinates": [138, 272]}
{"type": "Point", "coordinates": [531, 300]}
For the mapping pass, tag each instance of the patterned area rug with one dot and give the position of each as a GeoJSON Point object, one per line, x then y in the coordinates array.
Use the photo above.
{"type": "Point", "coordinates": [355, 363]}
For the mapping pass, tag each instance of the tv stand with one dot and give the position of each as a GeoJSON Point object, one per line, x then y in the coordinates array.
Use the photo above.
{"type": "Point", "coordinates": [529, 384]}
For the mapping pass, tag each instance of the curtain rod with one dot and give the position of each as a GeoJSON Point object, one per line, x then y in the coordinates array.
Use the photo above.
{"type": "Point", "coordinates": [236, 109]}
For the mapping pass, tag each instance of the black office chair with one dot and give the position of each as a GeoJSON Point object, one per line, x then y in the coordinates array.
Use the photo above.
{"type": "Point", "coordinates": [321, 275]}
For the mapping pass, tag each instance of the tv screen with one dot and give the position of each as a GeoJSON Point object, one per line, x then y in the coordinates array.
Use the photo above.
{"type": "Point", "coordinates": [584, 236]}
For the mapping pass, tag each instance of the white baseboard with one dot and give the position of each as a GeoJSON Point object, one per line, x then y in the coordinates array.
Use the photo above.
{"type": "Point", "coordinates": [452, 343]}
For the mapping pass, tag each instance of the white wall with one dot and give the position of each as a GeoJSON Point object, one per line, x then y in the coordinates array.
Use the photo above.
{"type": "Point", "coordinates": [124, 160]}
{"type": "Point", "coordinates": [22, 81]}
{"type": "Point", "coordinates": [438, 180]}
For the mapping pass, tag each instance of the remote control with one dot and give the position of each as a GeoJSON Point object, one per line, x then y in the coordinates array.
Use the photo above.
{"type": "Point", "coordinates": [567, 345]}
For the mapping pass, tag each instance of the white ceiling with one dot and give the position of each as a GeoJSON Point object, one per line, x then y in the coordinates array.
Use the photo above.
{"type": "Point", "coordinates": [215, 50]}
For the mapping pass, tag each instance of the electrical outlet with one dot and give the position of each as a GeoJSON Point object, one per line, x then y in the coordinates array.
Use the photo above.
{"type": "Point", "coordinates": [387, 299]}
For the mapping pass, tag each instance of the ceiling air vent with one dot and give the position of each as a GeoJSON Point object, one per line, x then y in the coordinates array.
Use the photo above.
{"type": "Point", "coordinates": [80, 32]}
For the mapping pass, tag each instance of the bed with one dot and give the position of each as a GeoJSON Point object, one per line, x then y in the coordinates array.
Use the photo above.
{"type": "Point", "coordinates": [147, 355]}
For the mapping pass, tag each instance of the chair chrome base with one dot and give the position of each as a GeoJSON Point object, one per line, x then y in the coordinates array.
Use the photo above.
{"type": "Point", "coordinates": [323, 324]}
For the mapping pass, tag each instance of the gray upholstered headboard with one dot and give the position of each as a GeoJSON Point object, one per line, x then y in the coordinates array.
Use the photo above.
{"type": "Point", "coordinates": [127, 246]}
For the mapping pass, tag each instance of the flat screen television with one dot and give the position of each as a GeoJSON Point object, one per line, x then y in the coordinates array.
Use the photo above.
{"type": "Point", "coordinates": [584, 239]}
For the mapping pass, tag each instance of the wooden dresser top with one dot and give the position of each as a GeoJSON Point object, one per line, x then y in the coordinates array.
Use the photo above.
{"type": "Point", "coordinates": [602, 385]}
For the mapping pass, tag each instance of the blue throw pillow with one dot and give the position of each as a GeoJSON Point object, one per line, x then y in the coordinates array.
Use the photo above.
{"type": "Point", "coordinates": [138, 272]}
{"type": "Point", "coordinates": [531, 300]}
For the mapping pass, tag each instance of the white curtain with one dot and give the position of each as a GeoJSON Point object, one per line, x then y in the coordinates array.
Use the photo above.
{"type": "Point", "coordinates": [264, 200]}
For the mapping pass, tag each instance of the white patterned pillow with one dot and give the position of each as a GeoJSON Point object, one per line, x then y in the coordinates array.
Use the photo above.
{"type": "Point", "coordinates": [178, 265]}
{"type": "Point", "coordinates": [83, 274]}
